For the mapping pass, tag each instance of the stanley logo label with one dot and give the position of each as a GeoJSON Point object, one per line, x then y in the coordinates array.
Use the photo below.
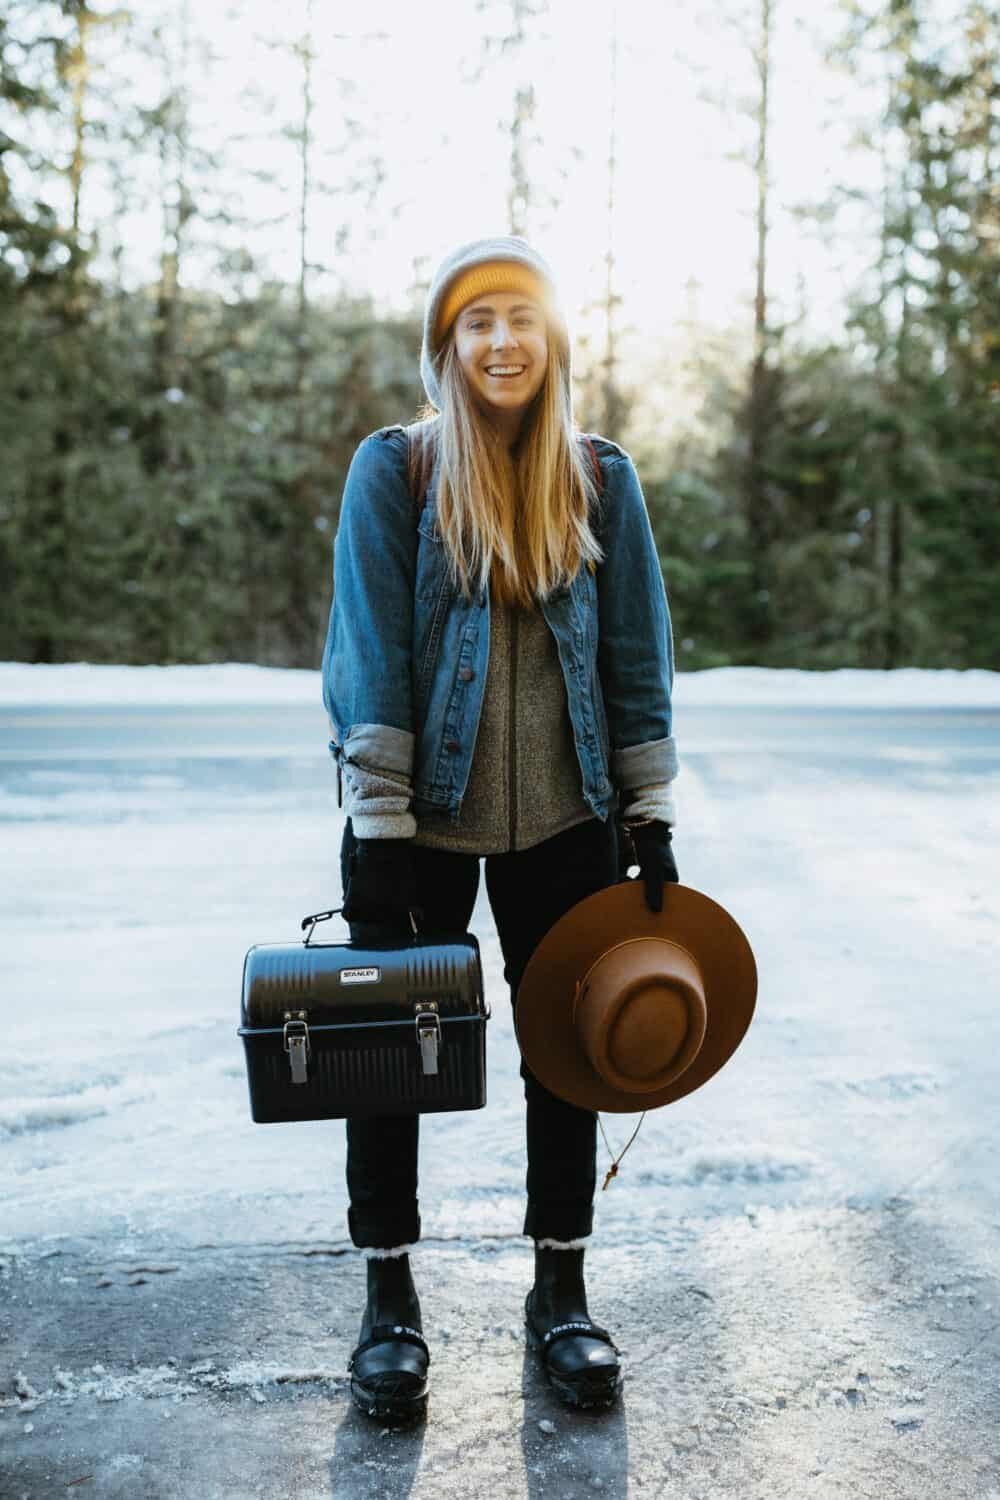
{"type": "Point", "coordinates": [360, 976]}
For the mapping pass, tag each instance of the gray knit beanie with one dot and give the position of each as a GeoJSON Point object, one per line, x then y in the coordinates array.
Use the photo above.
{"type": "Point", "coordinates": [482, 253]}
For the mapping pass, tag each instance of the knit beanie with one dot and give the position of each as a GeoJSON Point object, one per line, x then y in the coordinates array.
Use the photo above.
{"type": "Point", "coordinates": [505, 263]}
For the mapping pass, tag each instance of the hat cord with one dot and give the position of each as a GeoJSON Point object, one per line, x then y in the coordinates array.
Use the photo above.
{"type": "Point", "coordinates": [613, 1170]}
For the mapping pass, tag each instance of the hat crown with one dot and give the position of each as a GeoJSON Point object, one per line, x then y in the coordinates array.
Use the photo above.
{"type": "Point", "coordinates": [640, 1013]}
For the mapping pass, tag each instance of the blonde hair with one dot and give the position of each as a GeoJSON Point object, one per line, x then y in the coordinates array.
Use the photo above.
{"type": "Point", "coordinates": [517, 520]}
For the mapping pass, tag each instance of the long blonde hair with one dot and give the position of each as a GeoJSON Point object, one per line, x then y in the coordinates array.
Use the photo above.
{"type": "Point", "coordinates": [517, 520]}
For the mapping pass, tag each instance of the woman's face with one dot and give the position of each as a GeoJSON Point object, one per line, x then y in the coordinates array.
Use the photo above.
{"type": "Point", "coordinates": [498, 333]}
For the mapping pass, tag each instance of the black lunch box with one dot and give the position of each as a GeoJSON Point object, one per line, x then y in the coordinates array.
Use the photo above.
{"type": "Point", "coordinates": [337, 1029]}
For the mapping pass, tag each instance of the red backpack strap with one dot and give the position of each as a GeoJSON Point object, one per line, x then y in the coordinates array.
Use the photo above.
{"type": "Point", "coordinates": [412, 477]}
{"type": "Point", "coordinates": [419, 462]}
{"type": "Point", "coordinates": [598, 476]}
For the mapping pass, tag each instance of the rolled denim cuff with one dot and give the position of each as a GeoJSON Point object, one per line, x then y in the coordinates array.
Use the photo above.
{"type": "Point", "coordinates": [646, 764]}
{"type": "Point", "coordinates": [380, 747]}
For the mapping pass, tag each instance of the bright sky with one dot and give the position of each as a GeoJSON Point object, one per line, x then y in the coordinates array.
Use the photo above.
{"type": "Point", "coordinates": [684, 206]}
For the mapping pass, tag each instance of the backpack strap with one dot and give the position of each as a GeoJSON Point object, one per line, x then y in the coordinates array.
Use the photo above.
{"type": "Point", "coordinates": [419, 463]}
{"type": "Point", "coordinates": [598, 476]}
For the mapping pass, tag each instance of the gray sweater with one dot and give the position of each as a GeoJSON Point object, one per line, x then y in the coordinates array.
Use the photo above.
{"type": "Point", "coordinates": [524, 781]}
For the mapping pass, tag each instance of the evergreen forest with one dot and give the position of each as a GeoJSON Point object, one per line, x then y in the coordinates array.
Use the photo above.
{"type": "Point", "coordinates": [174, 445]}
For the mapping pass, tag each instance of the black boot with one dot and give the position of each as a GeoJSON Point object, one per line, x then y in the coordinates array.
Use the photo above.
{"type": "Point", "coordinates": [579, 1357]}
{"type": "Point", "coordinates": [389, 1365]}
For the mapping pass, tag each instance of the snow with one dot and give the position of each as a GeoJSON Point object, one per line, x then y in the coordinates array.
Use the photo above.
{"type": "Point", "coordinates": [53, 1110]}
{"type": "Point", "coordinates": [92, 684]}
{"type": "Point", "coordinates": [154, 844]}
{"type": "Point", "coordinates": [843, 687]}
{"type": "Point", "coordinates": [66, 684]}
{"type": "Point", "coordinates": [751, 1162]}
{"type": "Point", "coordinates": [165, 1380]}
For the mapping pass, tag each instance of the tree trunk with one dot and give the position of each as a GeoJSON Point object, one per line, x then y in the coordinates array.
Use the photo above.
{"type": "Point", "coordinates": [614, 406]}
{"type": "Point", "coordinates": [759, 398]}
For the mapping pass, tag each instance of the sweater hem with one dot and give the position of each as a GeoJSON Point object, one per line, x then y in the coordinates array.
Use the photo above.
{"type": "Point", "coordinates": [464, 842]}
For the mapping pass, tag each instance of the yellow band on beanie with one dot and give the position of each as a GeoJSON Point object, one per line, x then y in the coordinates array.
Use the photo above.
{"type": "Point", "coordinates": [491, 276]}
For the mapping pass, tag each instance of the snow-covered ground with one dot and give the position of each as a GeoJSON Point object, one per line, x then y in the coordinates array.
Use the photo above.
{"type": "Point", "coordinates": [153, 834]}
{"type": "Point", "coordinates": [158, 821]}
{"type": "Point", "coordinates": [241, 682]}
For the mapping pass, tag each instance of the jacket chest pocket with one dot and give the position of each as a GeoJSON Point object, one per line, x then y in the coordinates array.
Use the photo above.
{"type": "Point", "coordinates": [431, 601]}
{"type": "Point", "coordinates": [428, 629]}
{"type": "Point", "coordinates": [431, 567]}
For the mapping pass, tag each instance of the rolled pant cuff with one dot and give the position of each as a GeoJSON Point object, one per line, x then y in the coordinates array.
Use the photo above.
{"type": "Point", "coordinates": [371, 1252]}
{"type": "Point", "coordinates": [564, 1226]}
{"type": "Point", "coordinates": [370, 1234]}
{"type": "Point", "coordinates": [551, 1244]}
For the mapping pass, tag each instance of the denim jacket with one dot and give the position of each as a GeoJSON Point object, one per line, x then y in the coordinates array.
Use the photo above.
{"type": "Point", "coordinates": [405, 657]}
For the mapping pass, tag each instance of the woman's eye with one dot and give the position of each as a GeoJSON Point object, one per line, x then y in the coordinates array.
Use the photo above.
{"type": "Point", "coordinates": [482, 323]}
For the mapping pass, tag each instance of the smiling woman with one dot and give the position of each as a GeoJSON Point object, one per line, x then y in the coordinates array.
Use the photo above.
{"type": "Point", "coordinates": [497, 673]}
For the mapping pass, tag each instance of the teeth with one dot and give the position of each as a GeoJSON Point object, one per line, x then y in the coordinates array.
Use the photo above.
{"type": "Point", "coordinates": [504, 369]}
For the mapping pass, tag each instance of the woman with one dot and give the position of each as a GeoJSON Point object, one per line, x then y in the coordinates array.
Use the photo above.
{"type": "Point", "coordinates": [497, 673]}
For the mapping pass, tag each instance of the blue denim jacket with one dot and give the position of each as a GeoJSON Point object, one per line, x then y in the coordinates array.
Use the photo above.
{"type": "Point", "coordinates": [405, 658]}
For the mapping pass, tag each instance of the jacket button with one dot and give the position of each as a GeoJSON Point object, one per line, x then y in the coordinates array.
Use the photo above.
{"type": "Point", "coordinates": [451, 746]}
{"type": "Point", "coordinates": [466, 674]}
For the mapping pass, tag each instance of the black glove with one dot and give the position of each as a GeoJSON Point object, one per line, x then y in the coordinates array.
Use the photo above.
{"type": "Point", "coordinates": [380, 886]}
{"type": "Point", "coordinates": [626, 854]}
{"type": "Point", "coordinates": [655, 858]}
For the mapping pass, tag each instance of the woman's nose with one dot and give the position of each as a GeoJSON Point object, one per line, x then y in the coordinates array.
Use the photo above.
{"type": "Point", "coordinates": [502, 335]}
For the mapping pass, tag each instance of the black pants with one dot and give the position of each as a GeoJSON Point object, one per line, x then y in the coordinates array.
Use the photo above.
{"type": "Point", "coordinates": [528, 892]}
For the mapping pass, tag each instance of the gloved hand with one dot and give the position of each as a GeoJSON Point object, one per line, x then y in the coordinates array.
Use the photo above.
{"type": "Point", "coordinates": [654, 856]}
{"type": "Point", "coordinates": [380, 886]}
{"type": "Point", "coordinates": [626, 853]}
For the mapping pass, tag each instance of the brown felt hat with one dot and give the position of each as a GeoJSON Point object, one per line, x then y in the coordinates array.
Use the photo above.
{"type": "Point", "coordinates": [623, 1009]}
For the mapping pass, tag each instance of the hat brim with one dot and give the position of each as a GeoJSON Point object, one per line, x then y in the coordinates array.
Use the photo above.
{"type": "Point", "coordinates": [544, 1008]}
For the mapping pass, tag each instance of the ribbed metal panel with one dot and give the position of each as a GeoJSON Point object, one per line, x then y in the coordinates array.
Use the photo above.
{"type": "Point", "coordinates": [279, 977]}
{"type": "Point", "coordinates": [441, 975]}
{"type": "Point", "coordinates": [282, 980]}
{"type": "Point", "coordinates": [377, 1079]}
{"type": "Point", "coordinates": [434, 969]}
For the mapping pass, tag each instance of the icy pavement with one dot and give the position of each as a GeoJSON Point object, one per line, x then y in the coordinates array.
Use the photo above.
{"type": "Point", "coordinates": [800, 1261]}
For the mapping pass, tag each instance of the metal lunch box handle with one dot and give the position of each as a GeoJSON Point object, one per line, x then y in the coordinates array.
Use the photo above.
{"type": "Point", "coordinates": [324, 916]}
